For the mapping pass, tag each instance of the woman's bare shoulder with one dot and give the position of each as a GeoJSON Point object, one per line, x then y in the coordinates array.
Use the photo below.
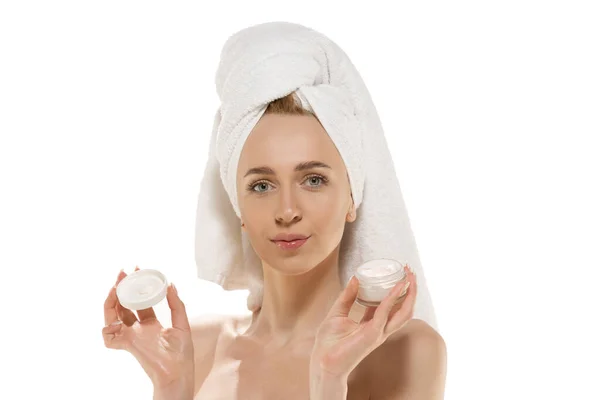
{"type": "Point", "coordinates": [411, 360]}
{"type": "Point", "coordinates": [207, 329]}
{"type": "Point", "coordinates": [206, 325]}
{"type": "Point", "coordinates": [416, 329]}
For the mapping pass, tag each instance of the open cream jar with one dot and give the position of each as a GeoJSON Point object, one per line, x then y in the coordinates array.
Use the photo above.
{"type": "Point", "coordinates": [376, 279]}
{"type": "Point", "coordinates": [142, 289]}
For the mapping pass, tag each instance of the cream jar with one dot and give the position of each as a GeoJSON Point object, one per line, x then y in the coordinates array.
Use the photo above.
{"type": "Point", "coordinates": [142, 289]}
{"type": "Point", "coordinates": [376, 278]}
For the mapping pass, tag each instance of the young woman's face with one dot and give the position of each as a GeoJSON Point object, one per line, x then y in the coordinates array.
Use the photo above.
{"type": "Point", "coordinates": [276, 195]}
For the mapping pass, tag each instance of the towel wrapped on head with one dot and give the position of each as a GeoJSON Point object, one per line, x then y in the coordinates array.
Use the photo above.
{"type": "Point", "coordinates": [269, 61]}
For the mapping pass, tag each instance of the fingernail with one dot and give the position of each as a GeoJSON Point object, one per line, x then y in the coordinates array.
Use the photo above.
{"type": "Point", "coordinates": [174, 288]}
{"type": "Point", "coordinates": [117, 322]}
{"type": "Point", "coordinates": [118, 276]}
{"type": "Point", "coordinates": [404, 289]}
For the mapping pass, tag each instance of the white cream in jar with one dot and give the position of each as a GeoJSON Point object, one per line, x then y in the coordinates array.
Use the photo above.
{"type": "Point", "coordinates": [142, 289]}
{"type": "Point", "coordinates": [376, 278]}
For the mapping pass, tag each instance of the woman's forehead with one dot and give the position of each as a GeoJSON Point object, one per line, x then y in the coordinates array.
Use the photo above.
{"type": "Point", "coordinates": [282, 141]}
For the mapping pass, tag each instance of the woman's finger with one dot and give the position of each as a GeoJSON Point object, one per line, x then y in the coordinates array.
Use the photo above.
{"type": "Point", "coordinates": [385, 307]}
{"type": "Point", "coordinates": [126, 315]}
{"type": "Point", "coordinates": [110, 307]}
{"type": "Point", "coordinates": [404, 313]}
{"type": "Point", "coordinates": [368, 315]}
{"type": "Point", "coordinates": [179, 318]}
{"type": "Point", "coordinates": [110, 334]}
{"type": "Point", "coordinates": [110, 304]}
{"type": "Point", "coordinates": [343, 304]}
{"type": "Point", "coordinates": [147, 314]}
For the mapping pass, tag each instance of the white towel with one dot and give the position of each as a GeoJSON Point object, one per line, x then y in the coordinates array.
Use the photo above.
{"type": "Point", "coordinates": [268, 61]}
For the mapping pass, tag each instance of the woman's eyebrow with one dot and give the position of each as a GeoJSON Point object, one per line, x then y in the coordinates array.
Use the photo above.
{"type": "Point", "coordinates": [264, 170]}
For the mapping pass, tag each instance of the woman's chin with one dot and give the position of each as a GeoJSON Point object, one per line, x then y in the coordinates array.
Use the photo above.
{"type": "Point", "coordinates": [292, 265]}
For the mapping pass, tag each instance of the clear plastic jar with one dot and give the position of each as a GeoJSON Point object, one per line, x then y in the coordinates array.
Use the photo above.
{"type": "Point", "coordinates": [376, 279]}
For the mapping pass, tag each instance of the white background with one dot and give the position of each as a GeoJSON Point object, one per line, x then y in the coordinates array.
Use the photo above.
{"type": "Point", "coordinates": [491, 110]}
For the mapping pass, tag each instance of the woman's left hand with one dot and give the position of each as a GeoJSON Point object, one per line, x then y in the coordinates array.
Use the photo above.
{"type": "Point", "coordinates": [341, 343]}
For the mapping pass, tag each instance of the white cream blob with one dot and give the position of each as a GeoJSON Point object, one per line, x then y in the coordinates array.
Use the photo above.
{"type": "Point", "coordinates": [376, 279]}
{"type": "Point", "coordinates": [142, 289]}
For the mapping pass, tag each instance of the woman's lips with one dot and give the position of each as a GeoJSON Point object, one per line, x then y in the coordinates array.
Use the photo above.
{"type": "Point", "coordinates": [291, 245]}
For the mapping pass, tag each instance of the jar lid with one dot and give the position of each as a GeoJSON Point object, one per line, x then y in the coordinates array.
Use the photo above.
{"type": "Point", "coordinates": [142, 289]}
{"type": "Point", "coordinates": [380, 270]}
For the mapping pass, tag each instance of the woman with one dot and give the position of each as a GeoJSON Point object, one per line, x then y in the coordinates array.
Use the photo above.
{"type": "Point", "coordinates": [301, 343]}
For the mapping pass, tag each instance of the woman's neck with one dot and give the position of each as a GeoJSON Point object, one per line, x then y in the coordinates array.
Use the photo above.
{"type": "Point", "coordinates": [294, 306]}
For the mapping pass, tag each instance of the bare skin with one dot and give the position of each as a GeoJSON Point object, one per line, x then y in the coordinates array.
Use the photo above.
{"type": "Point", "coordinates": [230, 365]}
{"type": "Point", "coordinates": [267, 355]}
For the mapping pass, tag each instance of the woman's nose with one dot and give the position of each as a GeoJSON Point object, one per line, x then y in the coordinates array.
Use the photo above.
{"type": "Point", "coordinates": [288, 216]}
{"type": "Point", "coordinates": [288, 210]}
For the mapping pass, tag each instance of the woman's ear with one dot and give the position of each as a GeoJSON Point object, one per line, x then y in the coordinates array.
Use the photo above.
{"type": "Point", "coordinates": [351, 215]}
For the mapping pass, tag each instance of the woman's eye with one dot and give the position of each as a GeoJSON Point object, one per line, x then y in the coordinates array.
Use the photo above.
{"type": "Point", "coordinates": [314, 179]}
{"type": "Point", "coordinates": [261, 185]}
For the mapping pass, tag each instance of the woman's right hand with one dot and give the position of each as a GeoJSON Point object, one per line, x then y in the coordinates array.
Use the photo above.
{"type": "Point", "coordinates": [165, 354]}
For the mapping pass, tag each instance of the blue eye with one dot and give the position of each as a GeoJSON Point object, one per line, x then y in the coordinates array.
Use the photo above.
{"type": "Point", "coordinates": [318, 178]}
{"type": "Point", "coordinates": [320, 181]}
{"type": "Point", "coordinates": [316, 181]}
{"type": "Point", "coordinates": [255, 185]}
